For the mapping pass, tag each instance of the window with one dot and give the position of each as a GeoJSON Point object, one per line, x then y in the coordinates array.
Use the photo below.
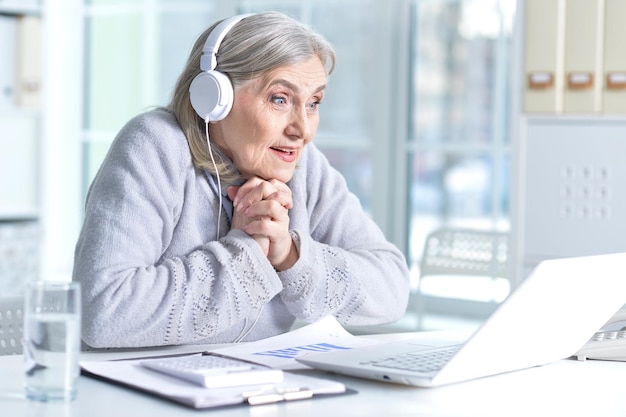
{"type": "Point", "coordinates": [134, 53]}
{"type": "Point", "coordinates": [458, 144]}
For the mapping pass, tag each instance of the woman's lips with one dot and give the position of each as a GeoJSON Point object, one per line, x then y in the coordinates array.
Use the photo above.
{"type": "Point", "coordinates": [286, 154]}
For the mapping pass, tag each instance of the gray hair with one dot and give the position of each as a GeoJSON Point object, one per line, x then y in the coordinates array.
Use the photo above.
{"type": "Point", "coordinates": [253, 48]}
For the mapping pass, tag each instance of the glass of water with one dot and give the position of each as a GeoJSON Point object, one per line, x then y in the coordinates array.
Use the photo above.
{"type": "Point", "coordinates": [52, 317]}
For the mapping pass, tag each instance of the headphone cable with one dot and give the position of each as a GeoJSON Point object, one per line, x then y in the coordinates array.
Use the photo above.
{"type": "Point", "coordinates": [219, 183]}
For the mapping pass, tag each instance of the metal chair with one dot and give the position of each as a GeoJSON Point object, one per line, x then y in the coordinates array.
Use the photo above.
{"type": "Point", "coordinates": [11, 325]}
{"type": "Point", "coordinates": [461, 253]}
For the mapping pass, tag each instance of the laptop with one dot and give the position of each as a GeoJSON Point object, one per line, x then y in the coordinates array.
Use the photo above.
{"type": "Point", "coordinates": [550, 315]}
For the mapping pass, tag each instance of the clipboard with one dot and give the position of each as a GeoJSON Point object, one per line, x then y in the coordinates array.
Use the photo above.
{"type": "Point", "coordinates": [129, 373]}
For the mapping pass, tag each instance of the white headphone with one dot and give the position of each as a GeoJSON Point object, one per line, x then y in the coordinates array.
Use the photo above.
{"type": "Point", "coordinates": [211, 92]}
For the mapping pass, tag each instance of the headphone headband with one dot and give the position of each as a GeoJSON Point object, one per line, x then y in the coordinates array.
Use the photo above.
{"type": "Point", "coordinates": [208, 60]}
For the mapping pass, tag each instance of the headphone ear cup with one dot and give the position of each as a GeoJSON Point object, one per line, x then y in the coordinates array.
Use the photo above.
{"type": "Point", "coordinates": [211, 95]}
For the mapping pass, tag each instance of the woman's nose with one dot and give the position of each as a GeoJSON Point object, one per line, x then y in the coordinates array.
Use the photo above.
{"type": "Point", "coordinates": [299, 126]}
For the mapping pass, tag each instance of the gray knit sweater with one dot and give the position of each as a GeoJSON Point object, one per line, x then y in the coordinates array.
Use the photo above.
{"type": "Point", "coordinates": [153, 273]}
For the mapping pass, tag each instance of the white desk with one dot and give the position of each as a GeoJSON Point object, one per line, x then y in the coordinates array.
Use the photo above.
{"type": "Point", "coordinates": [565, 388]}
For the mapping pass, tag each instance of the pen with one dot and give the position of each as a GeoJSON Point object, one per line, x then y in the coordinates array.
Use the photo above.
{"type": "Point", "coordinates": [269, 394]}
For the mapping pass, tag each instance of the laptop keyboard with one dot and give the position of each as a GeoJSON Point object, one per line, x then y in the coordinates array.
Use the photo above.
{"type": "Point", "coordinates": [419, 361]}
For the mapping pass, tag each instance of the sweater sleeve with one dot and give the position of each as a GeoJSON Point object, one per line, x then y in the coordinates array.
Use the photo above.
{"type": "Point", "coordinates": [346, 267]}
{"type": "Point", "coordinates": [144, 285]}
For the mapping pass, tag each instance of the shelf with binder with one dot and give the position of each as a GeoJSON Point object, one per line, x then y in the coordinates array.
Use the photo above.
{"type": "Point", "coordinates": [574, 58]}
{"type": "Point", "coordinates": [20, 77]}
{"type": "Point", "coordinates": [20, 142]}
{"type": "Point", "coordinates": [20, 103]}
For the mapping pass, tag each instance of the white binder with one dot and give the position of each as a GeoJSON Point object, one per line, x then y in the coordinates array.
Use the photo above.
{"type": "Point", "coordinates": [8, 53]}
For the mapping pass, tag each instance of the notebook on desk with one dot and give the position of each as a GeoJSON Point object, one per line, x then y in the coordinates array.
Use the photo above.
{"type": "Point", "coordinates": [551, 314]}
{"type": "Point", "coordinates": [134, 373]}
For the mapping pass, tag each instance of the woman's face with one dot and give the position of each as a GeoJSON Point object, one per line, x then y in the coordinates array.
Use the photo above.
{"type": "Point", "coordinates": [272, 119]}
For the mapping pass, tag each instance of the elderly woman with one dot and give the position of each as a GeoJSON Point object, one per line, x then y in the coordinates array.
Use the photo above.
{"type": "Point", "coordinates": [217, 220]}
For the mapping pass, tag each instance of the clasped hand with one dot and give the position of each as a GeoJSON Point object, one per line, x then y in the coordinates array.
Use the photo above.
{"type": "Point", "coordinates": [260, 208]}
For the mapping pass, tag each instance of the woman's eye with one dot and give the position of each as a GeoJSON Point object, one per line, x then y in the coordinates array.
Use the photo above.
{"type": "Point", "coordinates": [279, 100]}
{"type": "Point", "coordinates": [314, 105]}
